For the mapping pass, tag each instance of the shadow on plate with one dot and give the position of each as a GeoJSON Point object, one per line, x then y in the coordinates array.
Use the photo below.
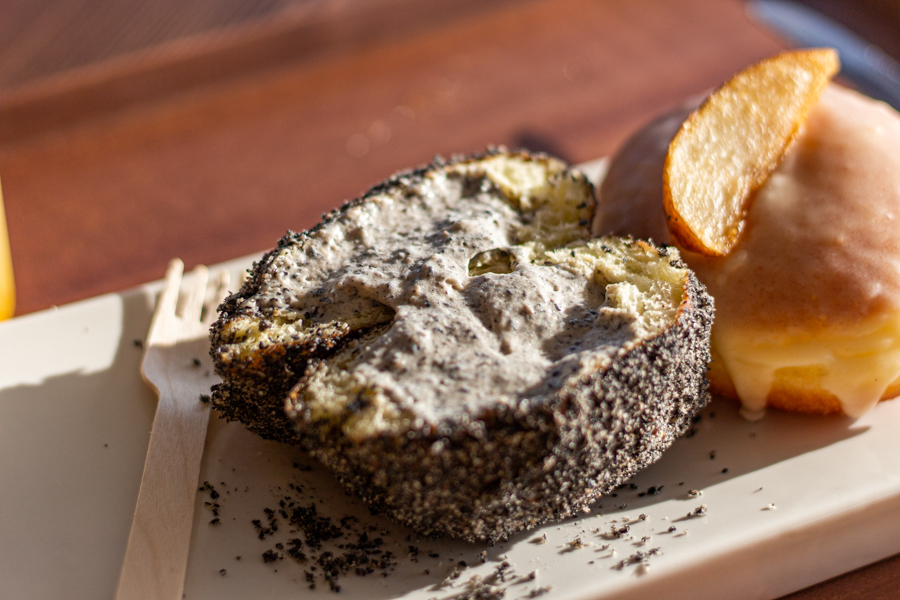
{"type": "Point", "coordinates": [270, 497]}
{"type": "Point", "coordinates": [72, 450]}
{"type": "Point", "coordinates": [723, 445]}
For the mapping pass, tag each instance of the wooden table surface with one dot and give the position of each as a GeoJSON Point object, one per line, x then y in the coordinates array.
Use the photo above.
{"type": "Point", "coordinates": [132, 132]}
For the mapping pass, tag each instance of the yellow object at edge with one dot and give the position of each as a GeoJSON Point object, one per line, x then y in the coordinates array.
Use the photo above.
{"type": "Point", "coordinates": [7, 283]}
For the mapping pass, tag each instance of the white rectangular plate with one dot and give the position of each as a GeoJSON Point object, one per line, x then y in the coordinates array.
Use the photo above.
{"type": "Point", "coordinates": [790, 500]}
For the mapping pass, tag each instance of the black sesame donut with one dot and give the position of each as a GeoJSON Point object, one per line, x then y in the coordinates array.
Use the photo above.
{"type": "Point", "coordinates": [463, 356]}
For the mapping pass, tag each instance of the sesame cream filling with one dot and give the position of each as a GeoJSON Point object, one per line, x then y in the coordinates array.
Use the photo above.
{"type": "Point", "coordinates": [476, 285]}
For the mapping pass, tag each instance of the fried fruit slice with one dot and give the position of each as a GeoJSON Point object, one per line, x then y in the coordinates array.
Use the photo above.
{"type": "Point", "coordinates": [728, 147]}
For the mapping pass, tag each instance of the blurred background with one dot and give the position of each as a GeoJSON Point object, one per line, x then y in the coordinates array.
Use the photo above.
{"type": "Point", "coordinates": [135, 130]}
{"type": "Point", "coordinates": [42, 38]}
{"type": "Point", "coordinates": [132, 131]}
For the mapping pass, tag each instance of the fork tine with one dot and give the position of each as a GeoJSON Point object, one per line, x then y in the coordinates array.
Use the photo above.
{"type": "Point", "coordinates": [196, 295]}
{"type": "Point", "coordinates": [158, 547]}
{"type": "Point", "coordinates": [168, 300]}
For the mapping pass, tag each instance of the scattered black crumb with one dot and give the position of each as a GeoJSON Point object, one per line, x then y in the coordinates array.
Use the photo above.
{"type": "Point", "coordinates": [139, 343]}
{"type": "Point", "coordinates": [237, 558]}
{"type": "Point", "coordinates": [294, 551]}
{"type": "Point", "coordinates": [700, 511]}
{"type": "Point", "coordinates": [204, 398]}
{"type": "Point", "coordinates": [617, 532]}
{"type": "Point", "coordinates": [712, 454]}
{"type": "Point", "coordinates": [454, 574]}
{"type": "Point", "coordinates": [196, 362]}
{"type": "Point", "coordinates": [212, 505]}
{"type": "Point", "coordinates": [330, 547]}
{"type": "Point", "coordinates": [671, 529]}
{"type": "Point", "coordinates": [270, 556]}
{"type": "Point", "coordinates": [725, 470]}
{"type": "Point", "coordinates": [263, 531]}
{"type": "Point", "coordinates": [502, 571]}
{"type": "Point", "coordinates": [223, 572]}
{"type": "Point", "coordinates": [106, 445]}
{"type": "Point", "coordinates": [304, 468]}
{"type": "Point", "coordinates": [636, 559]}
{"type": "Point", "coordinates": [654, 489]}
{"type": "Point", "coordinates": [482, 556]}
{"type": "Point", "coordinates": [481, 590]}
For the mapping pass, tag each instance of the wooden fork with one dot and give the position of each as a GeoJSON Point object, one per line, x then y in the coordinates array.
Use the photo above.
{"type": "Point", "coordinates": [176, 364]}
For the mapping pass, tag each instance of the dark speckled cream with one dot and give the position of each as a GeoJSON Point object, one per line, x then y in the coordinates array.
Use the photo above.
{"type": "Point", "coordinates": [461, 354]}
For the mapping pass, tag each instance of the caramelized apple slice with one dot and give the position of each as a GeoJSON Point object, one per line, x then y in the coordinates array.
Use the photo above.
{"type": "Point", "coordinates": [728, 147]}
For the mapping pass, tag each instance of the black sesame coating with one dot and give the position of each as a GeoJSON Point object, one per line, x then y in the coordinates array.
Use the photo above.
{"type": "Point", "coordinates": [506, 469]}
{"type": "Point", "coordinates": [548, 463]}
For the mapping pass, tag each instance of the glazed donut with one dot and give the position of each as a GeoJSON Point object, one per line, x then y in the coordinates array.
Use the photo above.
{"type": "Point", "coordinates": [808, 301]}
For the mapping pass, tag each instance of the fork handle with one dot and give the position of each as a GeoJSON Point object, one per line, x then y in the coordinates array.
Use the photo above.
{"type": "Point", "coordinates": [157, 553]}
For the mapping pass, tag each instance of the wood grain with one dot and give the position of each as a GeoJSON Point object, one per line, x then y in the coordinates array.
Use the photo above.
{"type": "Point", "coordinates": [223, 170]}
{"type": "Point", "coordinates": [177, 366]}
{"type": "Point", "coordinates": [42, 38]}
{"type": "Point", "coordinates": [301, 30]}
